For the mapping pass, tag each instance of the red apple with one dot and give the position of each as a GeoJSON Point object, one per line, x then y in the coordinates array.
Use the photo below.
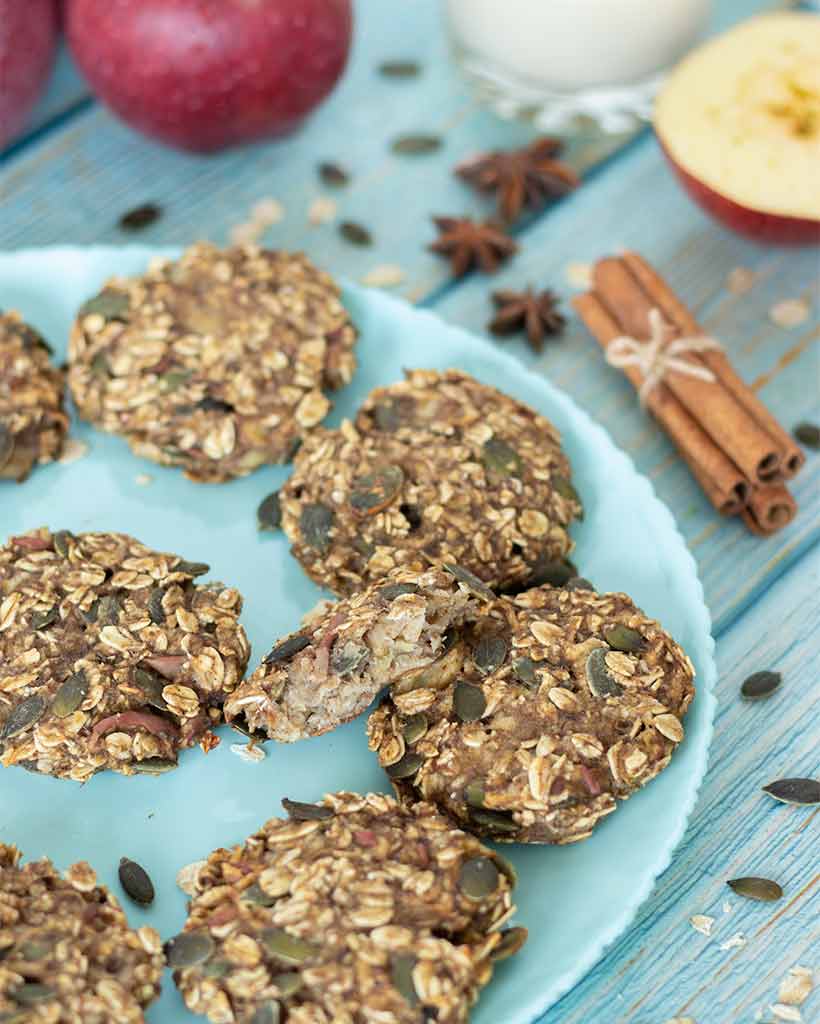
{"type": "Point", "coordinates": [206, 74]}
{"type": "Point", "coordinates": [739, 121]}
{"type": "Point", "coordinates": [28, 37]}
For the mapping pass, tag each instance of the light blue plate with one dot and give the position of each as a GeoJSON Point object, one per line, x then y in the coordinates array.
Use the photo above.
{"type": "Point", "coordinates": [575, 900]}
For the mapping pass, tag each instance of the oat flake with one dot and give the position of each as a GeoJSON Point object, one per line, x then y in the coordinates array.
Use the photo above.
{"type": "Point", "coordinates": [702, 923]}
{"type": "Point", "coordinates": [267, 211]}
{"type": "Point", "coordinates": [385, 275]}
{"type": "Point", "coordinates": [737, 941]}
{"type": "Point", "coordinates": [796, 987]}
{"type": "Point", "coordinates": [789, 312]}
{"type": "Point", "coordinates": [681, 1020]}
{"type": "Point", "coordinates": [246, 752]}
{"type": "Point", "coordinates": [740, 280]}
{"type": "Point", "coordinates": [784, 1012]}
{"type": "Point", "coordinates": [72, 451]}
{"type": "Point", "coordinates": [322, 210]}
{"type": "Point", "coordinates": [143, 479]}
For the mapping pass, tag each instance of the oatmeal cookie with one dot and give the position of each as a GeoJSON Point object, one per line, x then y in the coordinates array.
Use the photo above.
{"type": "Point", "coordinates": [33, 424]}
{"type": "Point", "coordinates": [331, 670]}
{"type": "Point", "coordinates": [111, 656]}
{"type": "Point", "coordinates": [217, 362]}
{"type": "Point", "coordinates": [436, 467]}
{"type": "Point", "coordinates": [66, 951]}
{"type": "Point", "coordinates": [562, 702]}
{"type": "Point", "coordinates": [355, 910]}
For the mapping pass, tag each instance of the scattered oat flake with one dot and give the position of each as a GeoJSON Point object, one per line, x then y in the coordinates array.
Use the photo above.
{"type": "Point", "coordinates": [784, 1012]}
{"type": "Point", "coordinates": [143, 479]}
{"type": "Point", "coordinates": [385, 275]}
{"type": "Point", "coordinates": [245, 234]}
{"type": "Point", "coordinates": [740, 280]}
{"type": "Point", "coordinates": [267, 211]}
{"type": "Point", "coordinates": [789, 312]}
{"type": "Point", "coordinates": [72, 451]}
{"type": "Point", "coordinates": [322, 210]}
{"type": "Point", "coordinates": [579, 275]}
{"type": "Point", "coordinates": [796, 987]}
{"type": "Point", "coordinates": [702, 923]}
{"type": "Point", "coordinates": [736, 941]}
{"type": "Point", "coordinates": [246, 752]}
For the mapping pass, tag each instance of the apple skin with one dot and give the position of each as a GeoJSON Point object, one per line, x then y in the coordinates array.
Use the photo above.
{"type": "Point", "coordinates": [767, 228]}
{"type": "Point", "coordinates": [203, 75]}
{"type": "Point", "coordinates": [28, 39]}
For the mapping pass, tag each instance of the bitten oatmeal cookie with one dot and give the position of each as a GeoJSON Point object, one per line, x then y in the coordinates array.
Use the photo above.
{"type": "Point", "coordinates": [562, 702]}
{"type": "Point", "coordinates": [66, 951]}
{"type": "Point", "coordinates": [111, 656]}
{"type": "Point", "coordinates": [436, 467]}
{"type": "Point", "coordinates": [33, 425]}
{"type": "Point", "coordinates": [355, 910]}
{"type": "Point", "coordinates": [331, 670]}
{"type": "Point", "coordinates": [217, 362]}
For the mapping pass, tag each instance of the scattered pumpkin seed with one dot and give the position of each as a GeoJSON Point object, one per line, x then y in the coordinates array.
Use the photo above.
{"type": "Point", "coordinates": [108, 610]}
{"type": "Point", "coordinates": [267, 1013]}
{"type": "Point", "coordinates": [192, 568]}
{"type": "Point", "coordinates": [762, 889]}
{"type": "Point", "coordinates": [415, 145]}
{"type": "Point", "coordinates": [399, 68]}
{"type": "Point", "coordinates": [474, 793]}
{"type": "Point", "coordinates": [387, 416]}
{"type": "Point", "coordinates": [173, 380]}
{"type": "Point", "coordinates": [269, 513]}
{"type": "Point", "coordinates": [188, 949]}
{"type": "Point", "coordinates": [524, 672]}
{"type": "Point", "coordinates": [315, 524]}
{"type": "Point", "coordinates": [135, 881]}
{"type": "Point", "coordinates": [374, 491]}
{"type": "Point", "coordinates": [348, 658]}
{"type": "Point", "coordinates": [32, 992]}
{"type": "Point", "coordinates": [406, 767]}
{"type": "Point", "coordinates": [512, 939]}
{"type": "Point", "coordinates": [42, 620]}
{"type": "Point", "coordinates": [25, 714]}
{"type": "Point", "coordinates": [564, 487]}
{"type": "Point", "coordinates": [622, 638]}
{"type": "Point", "coordinates": [151, 685]}
{"type": "Point", "coordinates": [469, 702]}
{"type": "Point", "coordinates": [473, 583]}
{"type": "Point", "coordinates": [401, 974]}
{"type": "Point", "coordinates": [100, 366]}
{"type": "Point", "coordinates": [91, 614]}
{"type": "Point", "coordinates": [760, 684]}
{"type": "Point", "coordinates": [795, 791]}
{"type": "Point", "coordinates": [211, 404]}
{"type": "Point", "coordinates": [216, 969]}
{"type": "Point", "coordinates": [306, 812]}
{"type": "Point", "coordinates": [35, 949]}
{"type": "Point", "coordinates": [286, 947]}
{"type": "Point", "coordinates": [288, 983]}
{"type": "Point", "coordinates": [808, 434]}
{"type": "Point", "coordinates": [70, 695]}
{"type": "Point", "coordinates": [333, 175]}
{"type": "Point", "coordinates": [356, 234]}
{"type": "Point", "coordinates": [154, 766]}
{"type": "Point", "coordinates": [496, 821]}
{"type": "Point", "coordinates": [286, 649]}
{"type": "Point", "coordinates": [109, 304]}
{"type": "Point", "coordinates": [478, 878]}
{"type": "Point", "coordinates": [414, 728]}
{"type": "Point", "coordinates": [256, 895]}
{"type": "Point", "coordinates": [506, 868]}
{"type": "Point", "coordinates": [555, 572]}
{"type": "Point", "coordinates": [394, 590]}
{"type": "Point", "coordinates": [490, 652]}
{"type": "Point", "coordinates": [155, 609]}
{"type": "Point", "coordinates": [140, 217]}
{"type": "Point", "coordinates": [498, 457]}
{"type": "Point", "coordinates": [6, 444]}
{"type": "Point", "coordinates": [60, 541]}
{"type": "Point", "coordinates": [578, 583]}
{"type": "Point", "coordinates": [600, 682]}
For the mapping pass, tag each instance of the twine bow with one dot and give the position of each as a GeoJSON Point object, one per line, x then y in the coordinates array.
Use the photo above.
{"type": "Point", "coordinates": [655, 358]}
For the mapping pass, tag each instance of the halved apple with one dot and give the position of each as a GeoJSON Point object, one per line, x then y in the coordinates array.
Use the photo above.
{"type": "Point", "coordinates": [739, 120]}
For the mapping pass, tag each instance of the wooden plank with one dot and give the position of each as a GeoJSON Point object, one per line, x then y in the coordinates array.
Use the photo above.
{"type": "Point", "coordinates": [662, 968]}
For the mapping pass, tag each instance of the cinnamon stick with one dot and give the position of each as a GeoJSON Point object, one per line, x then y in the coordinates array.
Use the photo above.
{"type": "Point", "coordinates": [769, 510]}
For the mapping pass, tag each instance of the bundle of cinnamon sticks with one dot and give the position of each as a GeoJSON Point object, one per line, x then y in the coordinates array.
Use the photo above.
{"type": "Point", "coordinates": [735, 448]}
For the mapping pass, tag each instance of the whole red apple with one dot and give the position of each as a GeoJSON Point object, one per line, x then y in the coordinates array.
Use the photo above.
{"type": "Point", "coordinates": [28, 37]}
{"type": "Point", "coordinates": [206, 74]}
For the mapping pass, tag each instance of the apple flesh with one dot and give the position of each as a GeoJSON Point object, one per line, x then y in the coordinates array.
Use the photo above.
{"type": "Point", "coordinates": [28, 39]}
{"type": "Point", "coordinates": [739, 121]}
{"type": "Point", "coordinates": [206, 74]}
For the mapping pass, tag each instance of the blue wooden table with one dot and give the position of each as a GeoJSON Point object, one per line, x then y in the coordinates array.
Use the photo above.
{"type": "Point", "coordinates": [76, 169]}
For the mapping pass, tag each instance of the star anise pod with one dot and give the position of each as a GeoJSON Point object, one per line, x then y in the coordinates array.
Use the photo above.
{"type": "Point", "coordinates": [526, 177]}
{"type": "Point", "coordinates": [468, 244]}
{"type": "Point", "coordinates": [536, 313]}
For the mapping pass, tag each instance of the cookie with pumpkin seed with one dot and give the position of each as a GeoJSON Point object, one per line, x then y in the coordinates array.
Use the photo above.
{"type": "Point", "coordinates": [438, 467]}
{"type": "Point", "coordinates": [111, 654]}
{"type": "Point", "coordinates": [33, 424]}
{"type": "Point", "coordinates": [354, 909]}
{"type": "Point", "coordinates": [555, 705]}
{"type": "Point", "coordinates": [66, 951]}
{"type": "Point", "coordinates": [217, 363]}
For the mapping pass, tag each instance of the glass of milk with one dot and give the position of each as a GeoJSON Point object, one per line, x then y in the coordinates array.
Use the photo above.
{"type": "Point", "coordinates": [562, 63]}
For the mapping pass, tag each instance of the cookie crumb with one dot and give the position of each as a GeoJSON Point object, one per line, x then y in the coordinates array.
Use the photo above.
{"type": "Point", "coordinates": [385, 275]}
{"type": "Point", "coordinates": [579, 275]}
{"type": "Point", "coordinates": [246, 752]}
{"type": "Point", "coordinates": [740, 280]}
{"type": "Point", "coordinates": [72, 451]}
{"type": "Point", "coordinates": [796, 987]}
{"type": "Point", "coordinates": [322, 210]}
{"type": "Point", "coordinates": [736, 941]}
{"type": "Point", "coordinates": [267, 211]}
{"type": "Point", "coordinates": [702, 923]}
{"type": "Point", "coordinates": [143, 479]}
{"type": "Point", "coordinates": [727, 907]}
{"type": "Point", "coordinates": [789, 313]}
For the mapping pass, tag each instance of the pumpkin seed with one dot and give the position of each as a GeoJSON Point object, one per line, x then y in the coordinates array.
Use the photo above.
{"type": "Point", "coordinates": [288, 984]}
{"type": "Point", "coordinates": [31, 993]}
{"type": "Point", "coordinates": [135, 881]}
{"type": "Point", "coordinates": [211, 404]}
{"type": "Point", "coordinates": [760, 685]}
{"type": "Point", "coordinates": [269, 513]}
{"type": "Point", "coordinates": [555, 572]}
{"type": "Point", "coordinates": [60, 541]}
{"type": "Point", "coordinates": [499, 457]}
{"type": "Point", "coordinates": [32, 339]}
{"type": "Point", "coordinates": [315, 523]}
{"type": "Point", "coordinates": [108, 610]}
{"type": "Point", "coordinates": [506, 869]}
{"type": "Point", "coordinates": [216, 969]}
{"type": "Point", "coordinates": [795, 791]}
{"type": "Point", "coordinates": [600, 682]}
{"type": "Point", "coordinates": [808, 434]}
{"type": "Point", "coordinates": [306, 812]}
{"type": "Point", "coordinates": [524, 672]}
{"type": "Point", "coordinates": [42, 620]}
{"type": "Point", "coordinates": [374, 491]}
{"type": "Point", "coordinates": [564, 487]}
{"type": "Point", "coordinates": [490, 652]}
{"type": "Point", "coordinates": [512, 939]}
{"type": "Point", "coordinates": [622, 638]}
{"type": "Point", "coordinates": [333, 175]}
{"type": "Point", "coordinates": [406, 767]}
{"type": "Point", "coordinates": [387, 416]}
{"type": "Point", "coordinates": [355, 233]}
{"type": "Point", "coordinates": [414, 728]}
{"type": "Point", "coordinates": [762, 889]}
{"type": "Point", "coordinates": [155, 609]}
{"type": "Point", "coordinates": [478, 878]}
{"type": "Point", "coordinates": [100, 366]}
{"type": "Point", "coordinates": [151, 686]}
{"type": "Point", "coordinates": [286, 947]}
{"type": "Point", "coordinates": [473, 583]}
{"type": "Point", "coordinates": [415, 145]}
{"type": "Point", "coordinates": [154, 766]}
{"type": "Point", "coordinates": [469, 702]}
{"type": "Point", "coordinates": [474, 793]}
{"type": "Point", "coordinates": [140, 217]}
{"type": "Point", "coordinates": [192, 568]}
{"type": "Point", "coordinates": [35, 949]}
{"type": "Point", "coordinates": [578, 583]}
{"type": "Point", "coordinates": [109, 304]}
{"type": "Point", "coordinates": [286, 649]}
{"type": "Point", "coordinates": [348, 658]}
{"type": "Point", "coordinates": [91, 614]}
{"type": "Point", "coordinates": [27, 713]}
{"type": "Point", "coordinates": [267, 1013]}
{"type": "Point", "coordinates": [401, 974]}
{"type": "Point", "coordinates": [495, 821]}
{"type": "Point", "coordinates": [173, 380]}
{"type": "Point", "coordinates": [256, 895]}
{"type": "Point", "coordinates": [188, 949]}
{"type": "Point", "coordinates": [394, 590]}
{"type": "Point", "coordinates": [6, 444]}
{"type": "Point", "coordinates": [399, 68]}
{"type": "Point", "coordinates": [70, 695]}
